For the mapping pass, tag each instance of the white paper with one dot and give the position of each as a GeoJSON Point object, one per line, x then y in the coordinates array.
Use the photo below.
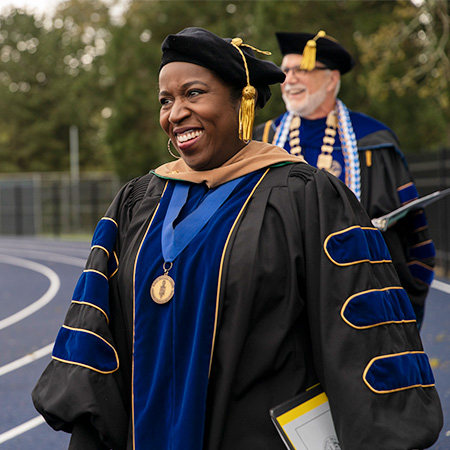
{"type": "Point", "coordinates": [313, 430]}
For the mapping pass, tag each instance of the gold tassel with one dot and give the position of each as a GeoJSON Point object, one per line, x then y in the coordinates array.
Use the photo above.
{"type": "Point", "coordinates": [309, 52]}
{"type": "Point", "coordinates": [247, 113]}
{"type": "Point", "coordinates": [368, 158]}
{"type": "Point", "coordinates": [247, 109]}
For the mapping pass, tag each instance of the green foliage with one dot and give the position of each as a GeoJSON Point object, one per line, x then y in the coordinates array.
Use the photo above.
{"type": "Point", "coordinates": [82, 67]}
{"type": "Point", "coordinates": [49, 80]}
{"type": "Point", "coordinates": [407, 73]}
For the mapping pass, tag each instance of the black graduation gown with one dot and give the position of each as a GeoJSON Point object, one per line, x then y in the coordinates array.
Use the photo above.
{"type": "Point", "coordinates": [281, 327]}
{"type": "Point", "coordinates": [384, 172]}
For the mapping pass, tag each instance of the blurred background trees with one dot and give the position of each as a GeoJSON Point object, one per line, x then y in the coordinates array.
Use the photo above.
{"type": "Point", "coordinates": [87, 67]}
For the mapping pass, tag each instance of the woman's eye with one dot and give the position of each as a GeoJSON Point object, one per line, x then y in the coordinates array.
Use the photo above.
{"type": "Point", "coordinates": [164, 101]}
{"type": "Point", "coordinates": [194, 92]}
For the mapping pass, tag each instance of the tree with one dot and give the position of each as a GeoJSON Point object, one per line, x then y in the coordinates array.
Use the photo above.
{"type": "Point", "coordinates": [84, 67]}
{"type": "Point", "coordinates": [134, 136]}
{"type": "Point", "coordinates": [133, 132]}
{"type": "Point", "coordinates": [49, 80]}
{"type": "Point", "coordinates": [407, 76]}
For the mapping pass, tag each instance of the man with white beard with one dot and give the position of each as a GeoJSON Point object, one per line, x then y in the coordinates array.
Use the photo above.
{"type": "Point", "coordinates": [363, 152]}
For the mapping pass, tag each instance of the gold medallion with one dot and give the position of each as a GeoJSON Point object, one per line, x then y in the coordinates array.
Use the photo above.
{"type": "Point", "coordinates": [324, 161]}
{"type": "Point", "coordinates": [162, 289]}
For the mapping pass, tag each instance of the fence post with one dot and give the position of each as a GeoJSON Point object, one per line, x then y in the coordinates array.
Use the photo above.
{"type": "Point", "coordinates": [443, 212]}
{"type": "Point", "coordinates": [18, 210]}
{"type": "Point", "coordinates": [37, 203]}
{"type": "Point", "coordinates": [94, 202]}
{"type": "Point", "coordinates": [56, 209]}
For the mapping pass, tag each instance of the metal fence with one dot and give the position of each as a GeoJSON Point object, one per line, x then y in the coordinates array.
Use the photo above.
{"type": "Point", "coordinates": [431, 173]}
{"type": "Point", "coordinates": [53, 204]}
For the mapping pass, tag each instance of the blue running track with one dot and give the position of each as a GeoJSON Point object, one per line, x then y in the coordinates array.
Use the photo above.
{"type": "Point", "coordinates": [37, 278]}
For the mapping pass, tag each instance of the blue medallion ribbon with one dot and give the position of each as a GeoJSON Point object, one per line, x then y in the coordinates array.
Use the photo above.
{"type": "Point", "coordinates": [175, 240]}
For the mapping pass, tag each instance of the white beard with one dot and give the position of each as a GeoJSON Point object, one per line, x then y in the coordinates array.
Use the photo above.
{"type": "Point", "coordinates": [308, 105]}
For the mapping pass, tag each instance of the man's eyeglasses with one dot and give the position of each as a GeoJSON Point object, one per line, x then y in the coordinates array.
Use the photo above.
{"type": "Point", "coordinates": [297, 71]}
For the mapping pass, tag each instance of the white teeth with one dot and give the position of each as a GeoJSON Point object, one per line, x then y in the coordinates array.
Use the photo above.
{"type": "Point", "coordinates": [188, 136]}
{"type": "Point", "coordinates": [293, 90]}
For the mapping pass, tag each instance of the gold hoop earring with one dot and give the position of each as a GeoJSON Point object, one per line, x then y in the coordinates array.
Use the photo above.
{"type": "Point", "coordinates": [170, 151]}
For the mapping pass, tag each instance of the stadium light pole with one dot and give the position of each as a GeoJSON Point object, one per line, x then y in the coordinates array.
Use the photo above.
{"type": "Point", "coordinates": [75, 175]}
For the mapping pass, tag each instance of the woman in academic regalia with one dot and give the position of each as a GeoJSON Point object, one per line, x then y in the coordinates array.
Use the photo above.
{"type": "Point", "coordinates": [229, 281]}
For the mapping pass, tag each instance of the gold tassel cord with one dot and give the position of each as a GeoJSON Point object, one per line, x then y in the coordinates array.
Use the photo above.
{"type": "Point", "coordinates": [247, 109]}
{"type": "Point", "coordinates": [238, 42]}
{"type": "Point", "coordinates": [309, 52]}
{"type": "Point", "coordinates": [247, 113]}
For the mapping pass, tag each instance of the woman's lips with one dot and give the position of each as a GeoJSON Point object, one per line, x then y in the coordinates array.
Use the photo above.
{"type": "Point", "coordinates": [188, 138]}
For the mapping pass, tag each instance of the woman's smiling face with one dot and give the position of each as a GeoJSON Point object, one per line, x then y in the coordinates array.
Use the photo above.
{"type": "Point", "coordinates": [199, 115]}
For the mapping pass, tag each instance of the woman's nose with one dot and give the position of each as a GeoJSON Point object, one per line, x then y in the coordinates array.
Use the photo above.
{"type": "Point", "coordinates": [178, 112]}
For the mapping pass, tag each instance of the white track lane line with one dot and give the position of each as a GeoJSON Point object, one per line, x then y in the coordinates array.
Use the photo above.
{"type": "Point", "coordinates": [39, 420]}
{"type": "Point", "coordinates": [10, 434]}
{"type": "Point", "coordinates": [14, 432]}
{"type": "Point", "coordinates": [27, 359]}
{"type": "Point", "coordinates": [44, 351]}
{"type": "Point", "coordinates": [440, 286]}
{"type": "Point", "coordinates": [53, 257]}
{"type": "Point", "coordinates": [80, 249]}
{"type": "Point", "coordinates": [41, 302]}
